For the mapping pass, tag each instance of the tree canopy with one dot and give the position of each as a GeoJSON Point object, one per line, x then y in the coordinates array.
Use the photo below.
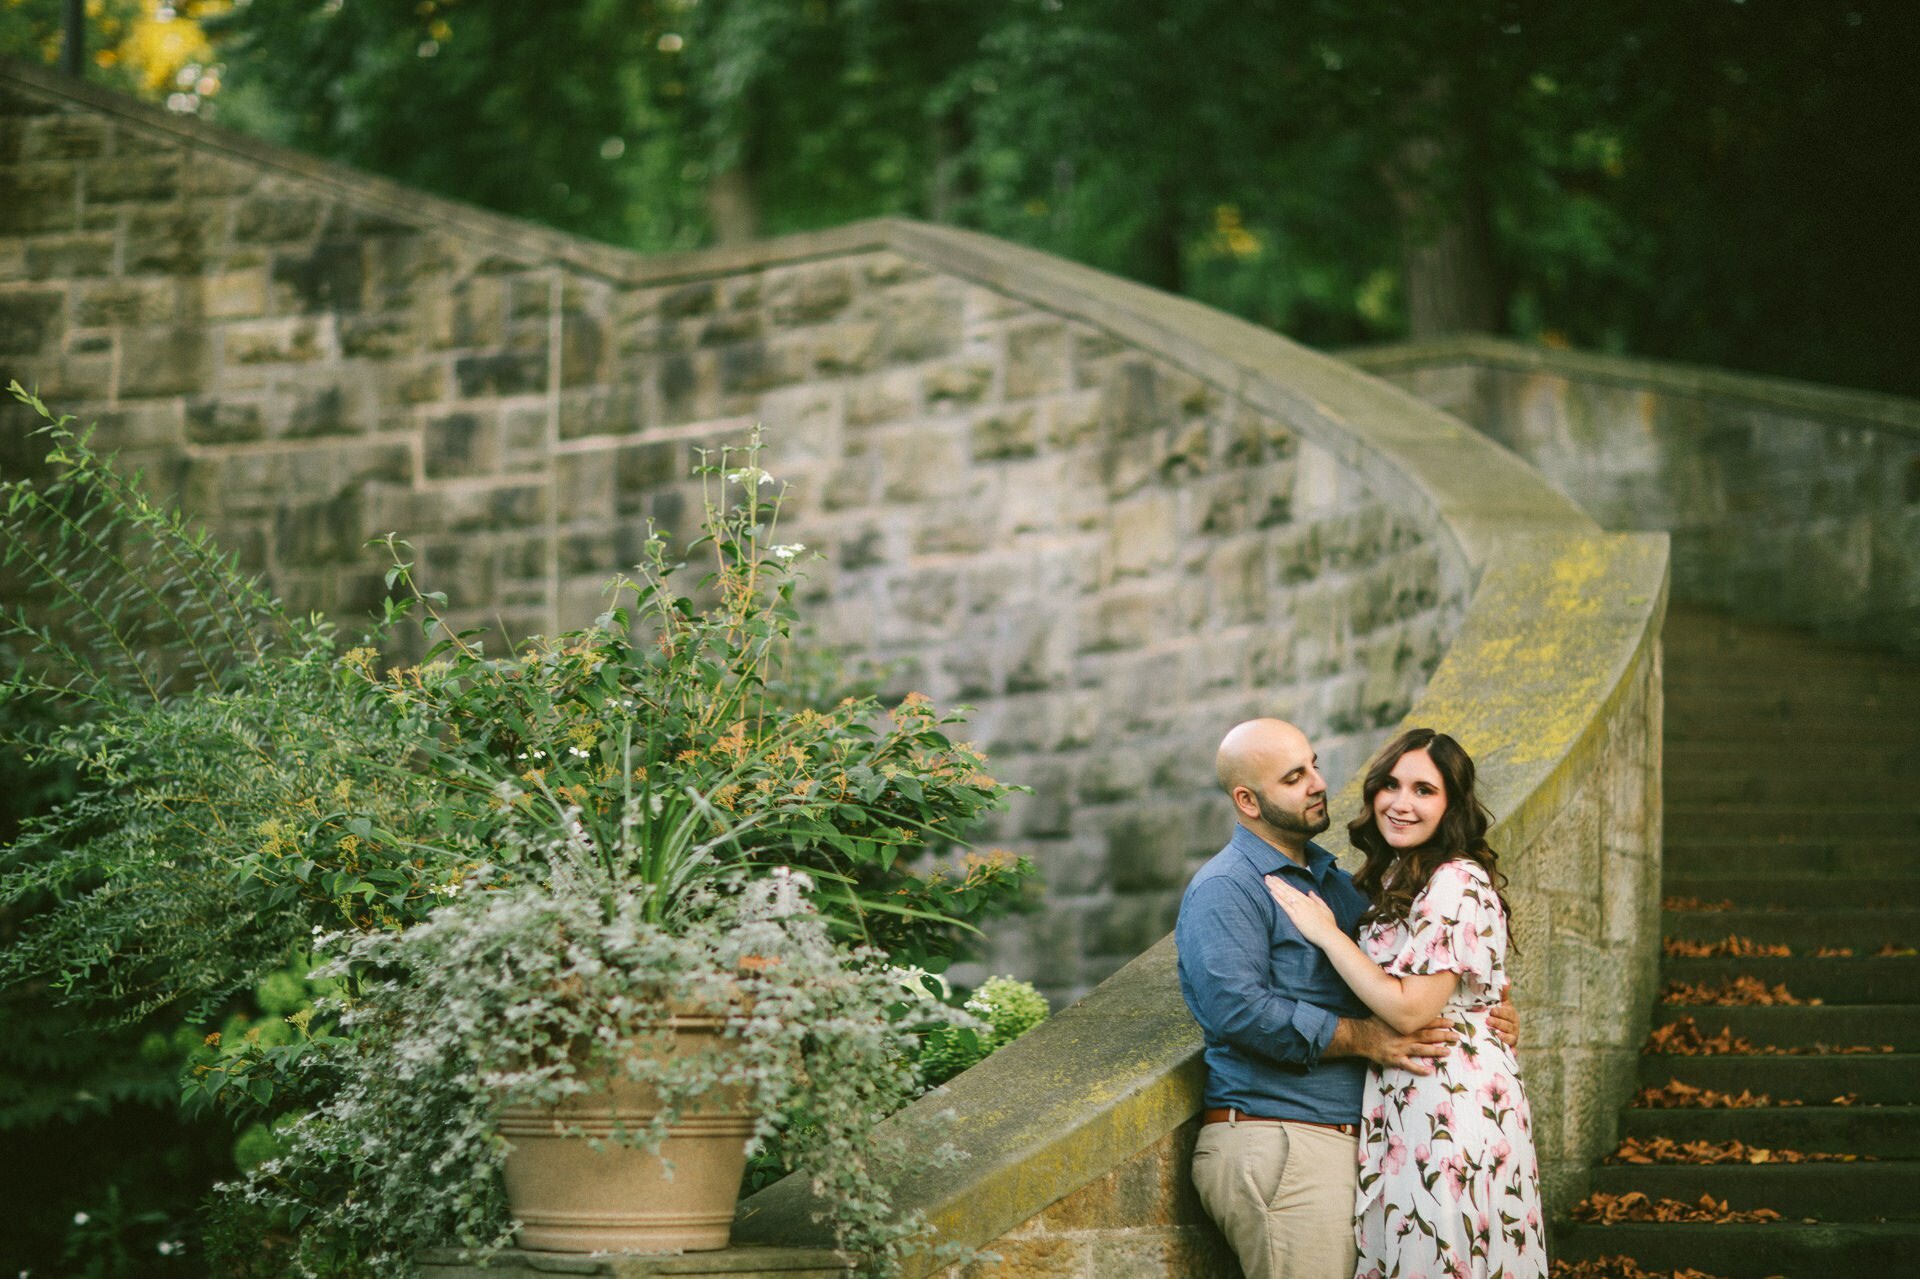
{"type": "Point", "coordinates": [1711, 180]}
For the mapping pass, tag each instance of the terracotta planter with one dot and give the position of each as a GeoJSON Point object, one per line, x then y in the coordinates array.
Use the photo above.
{"type": "Point", "coordinates": [570, 1197]}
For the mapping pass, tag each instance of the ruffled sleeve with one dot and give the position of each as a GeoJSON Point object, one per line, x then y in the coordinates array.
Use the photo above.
{"type": "Point", "coordinates": [1456, 926]}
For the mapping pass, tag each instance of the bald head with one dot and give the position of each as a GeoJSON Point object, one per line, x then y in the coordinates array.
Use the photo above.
{"type": "Point", "coordinates": [1268, 768]}
{"type": "Point", "coordinates": [1249, 752]}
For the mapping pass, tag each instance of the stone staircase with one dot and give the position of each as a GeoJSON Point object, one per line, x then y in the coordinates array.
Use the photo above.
{"type": "Point", "coordinates": [1792, 778]}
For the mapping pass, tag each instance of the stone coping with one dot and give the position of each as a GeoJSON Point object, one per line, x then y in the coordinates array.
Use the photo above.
{"type": "Point", "coordinates": [1829, 405]}
{"type": "Point", "coordinates": [1560, 617]}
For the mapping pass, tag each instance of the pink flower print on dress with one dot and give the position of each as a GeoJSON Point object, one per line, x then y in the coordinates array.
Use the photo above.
{"type": "Point", "coordinates": [1459, 1269]}
{"type": "Point", "coordinates": [1444, 1113]}
{"type": "Point", "coordinates": [1502, 1151]}
{"type": "Point", "coordinates": [1453, 1170]}
{"type": "Point", "coordinates": [1396, 1157]}
{"type": "Point", "coordinates": [1496, 1091]}
{"type": "Point", "coordinates": [1422, 1155]}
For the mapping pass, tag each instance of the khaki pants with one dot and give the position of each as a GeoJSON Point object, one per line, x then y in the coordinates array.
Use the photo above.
{"type": "Point", "coordinates": [1283, 1195]}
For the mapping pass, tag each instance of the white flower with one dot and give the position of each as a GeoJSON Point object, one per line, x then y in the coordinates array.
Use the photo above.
{"type": "Point", "coordinates": [788, 551]}
{"type": "Point", "coordinates": [167, 1247]}
{"type": "Point", "coordinates": [81, 1219]}
{"type": "Point", "coordinates": [577, 752]}
{"type": "Point", "coordinates": [747, 475]}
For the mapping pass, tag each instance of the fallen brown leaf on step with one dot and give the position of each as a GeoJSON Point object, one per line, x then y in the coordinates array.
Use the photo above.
{"type": "Point", "coordinates": [1735, 991]}
{"type": "Point", "coordinates": [1893, 951]}
{"type": "Point", "coordinates": [1617, 1268]}
{"type": "Point", "coordinates": [1665, 1150]}
{"type": "Point", "coordinates": [1846, 1099]}
{"type": "Point", "coordinates": [1684, 1038]}
{"type": "Point", "coordinates": [1674, 1095]}
{"type": "Point", "coordinates": [1606, 1209]}
{"type": "Point", "coordinates": [1735, 947]}
{"type": "Point", "coordinates": [1833, 952]}
{"type": "Point", "coordinates": [1694, 903]}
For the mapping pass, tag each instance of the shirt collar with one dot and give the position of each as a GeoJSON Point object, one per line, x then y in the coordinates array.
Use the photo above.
{"type": "Point", "coordinates": [1268, 860]}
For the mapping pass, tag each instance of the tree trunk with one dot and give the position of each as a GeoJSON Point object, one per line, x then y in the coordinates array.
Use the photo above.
{"type": "Point", "coordinates": [732, 208]}
{"type": "Point", "coordinates": [1448, 277]}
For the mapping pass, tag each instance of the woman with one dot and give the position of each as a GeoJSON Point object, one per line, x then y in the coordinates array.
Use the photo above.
{"type": "Point", "coordinates": [1449, 1186]}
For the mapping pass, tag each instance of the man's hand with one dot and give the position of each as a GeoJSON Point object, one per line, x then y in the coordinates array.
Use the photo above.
{"type": "Point", "coordinates": [1504, 1018]}
{"type": "Point", "coordinates": [1384, 1046]}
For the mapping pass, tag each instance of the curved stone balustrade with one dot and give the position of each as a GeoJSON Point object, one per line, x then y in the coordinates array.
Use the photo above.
{"type": "Point", "coordinates": [1115, 521]}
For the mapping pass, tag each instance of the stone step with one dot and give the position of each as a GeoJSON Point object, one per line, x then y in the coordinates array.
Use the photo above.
{"type": "Point", "coordinates": [1881, 1190]}
{"type": "Point", "coordinates": [1793, 891]}
{"type": "Point", "coordinates": [1802, 1026]}
{"type": "Point", "coordinates": [1743, 783]}
{"type": "Point", "coordinates": [1888, 735]}
{"type": "Point", "coordinates": [1766, 761]}
{"type": "Point", "coordinates": [1816, 816]}
{"type": "Point", "coordinates": [1872, 1079]}
{"type": "Point", "coordinates": [1889, 1132]}
{"type": "Point", "coordinates": [1816, 684]}
{"type": "Point", "coordinates": [1864, 861]}
{"type": "Point", "coordinates": [1775, 1250]}
{"type": "Point", "coordinates": [1832, 981]}
{"type": "Point", "coordinates": [1865, 929]}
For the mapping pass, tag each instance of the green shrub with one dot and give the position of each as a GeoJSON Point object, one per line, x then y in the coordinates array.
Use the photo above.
{"type": "Point", "coordinates": [1009, 1007]}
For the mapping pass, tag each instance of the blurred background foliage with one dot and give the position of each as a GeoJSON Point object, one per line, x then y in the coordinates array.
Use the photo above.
{"type": "Point", "coordinates": [1719, 181]}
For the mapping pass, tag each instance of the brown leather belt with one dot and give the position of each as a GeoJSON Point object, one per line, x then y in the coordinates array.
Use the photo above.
{"type": "Point", "coordinates": [1218, 1115]}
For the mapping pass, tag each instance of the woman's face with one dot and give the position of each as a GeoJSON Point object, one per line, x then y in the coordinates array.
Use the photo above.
{"type": "Point", "coordinates": [1409, 807]}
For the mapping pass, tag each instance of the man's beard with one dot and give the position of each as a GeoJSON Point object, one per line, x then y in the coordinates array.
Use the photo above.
{"type": "Point", "coordinates": [1293, 823]}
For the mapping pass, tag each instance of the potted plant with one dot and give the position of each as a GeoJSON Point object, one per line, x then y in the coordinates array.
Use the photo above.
{"type": "Point", "coordinates": [510, 868]}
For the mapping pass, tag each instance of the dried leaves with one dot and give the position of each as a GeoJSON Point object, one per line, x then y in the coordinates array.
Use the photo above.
{"type": "Point", "coordinates": [1684, 1038]}
{"type": "Point", "coordinates": [1618, 1268]}
{"type": "Point", "coordinates": [1736, 947]}
{"type": "Point", "coordinates": [1665, 1150]}
{"type": "Point", "coordinates": [1734, 991]}
{"type": "Point", "coordinates": [1694, 903]}
{"type": "Point", "coordinates": [1605, 1209]}
{"type": "Point", "coordinates": [1731, 946]}
{"type": "Point", "coordinates": [1675, 1095]}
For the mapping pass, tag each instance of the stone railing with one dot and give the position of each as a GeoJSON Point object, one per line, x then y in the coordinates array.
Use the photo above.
{"type": "Point", "coordinates": [1786, 502]}
{"type": "Point", "coordinates": [1115, 521]}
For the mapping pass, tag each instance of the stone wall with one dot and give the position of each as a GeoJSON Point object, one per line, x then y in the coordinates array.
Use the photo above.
{"type": "Point", "coordinates": [1115, 520]}
{"type": "Point", "coordinates": [1109, 558]}
{"type": "Point", "coordinates": [1786, 502]}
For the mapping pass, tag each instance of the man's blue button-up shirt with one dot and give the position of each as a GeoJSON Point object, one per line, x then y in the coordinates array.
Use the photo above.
{"type": "Point", "coordinates": [1266, 998]}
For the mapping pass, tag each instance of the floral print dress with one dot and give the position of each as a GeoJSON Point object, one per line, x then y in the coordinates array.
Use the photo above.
{"type": "Point", "coordinates": [1449, 1186]}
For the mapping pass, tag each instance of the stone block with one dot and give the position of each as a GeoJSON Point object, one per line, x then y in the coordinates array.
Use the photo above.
{"type": "Point", "coordinates": [501, 374]}
{"type": "Point", "coordinates": [1148, 850]}
{"type": "Point", "coordinates": [922, 463]}
{"type": "Point", "coordinates": [233, 295]}
{"type": "Point", "coordinates": [39, 198]}
{"type": "Point", "coordinates": [151, 424]}
{"type": "Point", "coordinates": [920, 324]}
{"type": "Point", "coordinates": [956, 385]}
{"type": "Point", "coordinates": [688, 387]}
{"type": "Point", "coordinates": [155, 176]}
{"type": "Point", "coordinates": [887, 397]}
{"type": "Point", "coordinates": [1003, 434]}
{"type": "Point", "coordinates": [329, 277]}
{"type": "Point", "coordinates": [409, 382]}
{"type": "Point", "coordinates": [1142, 535]}
{"type": "Point", "coordinates": [327, 408]}
{"type": "Point", "coordinates": [171, 360]}
{"type": "Point", "coordinates": [460, 444]}
{"type": "Point", "coordinates": [584, 486]}
{"type": "Point", "coordinates": [1036, 360]}
{"type": "Point", "coordinates": [312, 534]}
{"type": "Point", "coordinates": [275, 216]}
{"type": "Point", "coordinates": [66, 137]}
{"type": "Point", "coordinates": [224, 421]}
{"type": "Point", "coordinates": [68, 257]}
{"type": "Point", "coordinates": [289, 341]}
{"type": "Point", "coordinates": [30, 321]}
{"type": "Point", "coordinates": [751, 367]}
{"type": "Point", "coordinates": [846, 348]}
{"type": "Point", "coordinates": [1038, 1257]}
{"type": "Point", "coordinates": [809, 295]}
{"type": "Point", "coordinates": [164, 241]}
{"type": "Point", "coordinates": [378, 336]}
{"type": "Point", "coordinates": [583, 349]}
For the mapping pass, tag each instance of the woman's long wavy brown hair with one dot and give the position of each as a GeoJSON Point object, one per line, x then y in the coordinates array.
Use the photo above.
{"type": "Point", "coordinates": [1462, 832]}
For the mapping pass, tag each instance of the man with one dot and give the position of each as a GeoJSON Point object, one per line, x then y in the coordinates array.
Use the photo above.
{"type": "Point", "coordinates": [1287, 1043]}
